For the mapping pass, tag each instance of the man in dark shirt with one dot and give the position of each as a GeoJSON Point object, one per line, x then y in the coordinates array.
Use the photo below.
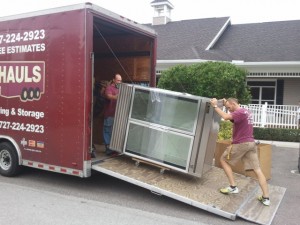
{"type": "Point", "coordinates": [111, 95]}
{"type": "Point", "coordinates": [243, 147]}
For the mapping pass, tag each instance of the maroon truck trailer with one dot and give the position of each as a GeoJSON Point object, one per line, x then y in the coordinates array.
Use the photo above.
{"type": "Point", "coordinates": [50, 62]}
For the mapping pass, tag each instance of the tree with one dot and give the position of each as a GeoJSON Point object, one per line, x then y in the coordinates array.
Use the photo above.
{"type": "Point", "coordinates": [208, 79]}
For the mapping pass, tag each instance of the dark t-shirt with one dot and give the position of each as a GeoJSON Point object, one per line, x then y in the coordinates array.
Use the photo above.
{"type": "Point", "coordinates": [242, 126]}
{"type": "Point", "coordinates": [110, 105]}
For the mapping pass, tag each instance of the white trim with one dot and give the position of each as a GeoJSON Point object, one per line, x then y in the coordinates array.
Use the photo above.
{"type": "Point", "coordinates": [219, 34]}
{"type": "Point", "coordinates": [235, 62]}
{"type": "Point", "coordinates": [282, 63]}
{"type": "Point", "coordinates": [181, 61]}
{"type": "Point", "coordinates": [163, 3]}
{"type": "Point", "coordinates": [274, 74]}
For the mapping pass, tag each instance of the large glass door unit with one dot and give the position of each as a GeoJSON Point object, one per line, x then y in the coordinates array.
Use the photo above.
{"type": "Point", "coordinates": [165, 127]}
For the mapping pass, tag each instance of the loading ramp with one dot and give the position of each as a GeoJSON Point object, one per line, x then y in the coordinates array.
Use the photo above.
{"type": "Point", "coordinates": [199, 192]}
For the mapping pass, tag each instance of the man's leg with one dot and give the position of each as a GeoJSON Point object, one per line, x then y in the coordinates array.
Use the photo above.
{"type": "Point", "coordinates": [107, 130]}
{"type": "Point", "coordinates": [251, 162]}
{"type": "Point", "coordinates": [262, 182]}
{"type": "Point", "coordinates": [228, 171]}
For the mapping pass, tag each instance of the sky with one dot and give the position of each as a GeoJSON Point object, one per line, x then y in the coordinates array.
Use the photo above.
{"type": "Point", "coordinates": [240, 11]}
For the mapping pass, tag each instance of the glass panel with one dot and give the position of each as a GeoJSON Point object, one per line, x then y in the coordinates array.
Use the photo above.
{"type": "Point", "coordinates": [268, 93]}
{"type": "Point", "coordinates": [159, 145]}
{"type": "Point", "coordinates": [164, 109]}
{"type": "Point", "coordinates": [255, 93]}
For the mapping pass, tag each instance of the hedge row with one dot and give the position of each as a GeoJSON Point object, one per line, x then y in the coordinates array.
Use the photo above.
{"type": "Point", "coordinates": [277, 134]}
{"type": "Point", "coordinates": [272, 134]}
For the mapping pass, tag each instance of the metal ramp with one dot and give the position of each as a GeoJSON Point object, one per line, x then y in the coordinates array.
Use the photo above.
{"type": "Point", "coordinates": [202, 193]}
{"type": "Point", "coordinates": [254, 211]}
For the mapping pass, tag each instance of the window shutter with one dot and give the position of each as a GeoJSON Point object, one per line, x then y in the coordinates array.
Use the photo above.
{"type": "Point", "coordinates": [279, 93]}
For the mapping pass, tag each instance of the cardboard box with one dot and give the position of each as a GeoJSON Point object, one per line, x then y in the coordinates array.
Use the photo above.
{"type": "Point", "coordinates": [264, 152]}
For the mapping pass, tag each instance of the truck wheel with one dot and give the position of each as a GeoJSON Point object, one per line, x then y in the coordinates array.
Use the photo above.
{"type": "Point", "coordinates": [30, 94]}
{"type": "Point", "coordinates": [9, 165]}
{"type": "Point", "coordinates": [37, 93]}
{"type": "Point", "coordinates": [24, 94]}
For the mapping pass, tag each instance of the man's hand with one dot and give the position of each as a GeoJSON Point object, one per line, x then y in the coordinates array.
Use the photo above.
{"type": "Point", "coordinates": [214, 102]}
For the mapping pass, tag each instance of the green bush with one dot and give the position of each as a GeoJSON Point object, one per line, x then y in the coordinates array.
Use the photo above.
{"type": "Point", "coordinates": [268, 134]}
{"type": "Point", "coordinates": [277, 134]}
{"type": "Point", "coordinates": [207, 79]}
{"type": "Point", "coordinates": [225, 132]}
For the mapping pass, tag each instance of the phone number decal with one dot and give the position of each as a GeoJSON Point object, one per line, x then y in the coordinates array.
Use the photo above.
{"type": "Point", "coordinates": [22, 127]}
{"type": "Point", "coordinates": [25, 36]}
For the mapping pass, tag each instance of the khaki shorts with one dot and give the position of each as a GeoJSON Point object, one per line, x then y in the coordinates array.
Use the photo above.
{"type": "Point", "coordinates": [246, 152]}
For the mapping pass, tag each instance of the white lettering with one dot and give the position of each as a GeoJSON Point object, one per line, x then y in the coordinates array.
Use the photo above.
{"type": "Point", "coordinates": [27, 78]}
{"type": "Point", "coordinates": [10, 75]}
{"type": "Point", "coordinates": [37, 76]}
{"type": "Point", "coordinates": [2, 74]}
{"type": "Point", "coordinates": [34, 114]}
{"type": "Point", "coordinates": [2, 51]}
{"type": "Point", "coordinates": [26, 48]}
{"type": "Point", "coordinates": [20, 74]}
{"type": "Point", "coordinates": [4, 111]}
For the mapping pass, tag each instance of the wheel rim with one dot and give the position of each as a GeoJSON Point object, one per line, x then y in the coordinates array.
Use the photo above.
{"type": "Point", "coordinates": [5, 160]}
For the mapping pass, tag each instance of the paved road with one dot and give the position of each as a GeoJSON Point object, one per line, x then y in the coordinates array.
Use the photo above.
{"type": "Point", "coordinates": [41, 197]}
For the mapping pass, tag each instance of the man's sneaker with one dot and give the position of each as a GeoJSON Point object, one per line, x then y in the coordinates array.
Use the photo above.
{"type": "Point", "coordinates": [229, 190]}
{"type": "Point", "coordinates": [264, 200]}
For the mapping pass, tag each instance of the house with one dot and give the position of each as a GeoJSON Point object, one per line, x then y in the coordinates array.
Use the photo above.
{"type": "Point", "coordinates": [269, 51]}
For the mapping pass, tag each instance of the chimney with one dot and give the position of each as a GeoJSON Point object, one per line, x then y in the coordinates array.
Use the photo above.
{"type": "Point", "coordinates": [162, 11]}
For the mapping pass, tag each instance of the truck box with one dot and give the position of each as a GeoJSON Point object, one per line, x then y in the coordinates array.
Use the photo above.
{"type": "Point", "coordinates": [50, 62]}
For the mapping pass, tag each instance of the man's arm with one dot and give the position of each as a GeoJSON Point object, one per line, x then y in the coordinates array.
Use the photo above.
{"type": "Point", "coordinates": [111, 97]}
{"type": "Point", "coordinates": [224, 115]}
{"type": "Point", "coordinates": [109, 94]}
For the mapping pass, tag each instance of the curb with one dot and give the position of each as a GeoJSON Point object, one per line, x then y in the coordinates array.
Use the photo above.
{"type": "Point", "coordinates": [282, 144]}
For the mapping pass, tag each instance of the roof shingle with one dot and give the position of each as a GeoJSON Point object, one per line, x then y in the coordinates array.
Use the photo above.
{"type": "Point", "coordinates": [257, 42]}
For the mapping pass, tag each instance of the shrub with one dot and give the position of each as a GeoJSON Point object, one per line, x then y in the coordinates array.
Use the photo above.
{"type": "Point", "coordinates": [277, 134]}
{"type": "Point", "coordinates": [225, 131]}
{"type": "Point", "coordinates": [268, 134]}
{"type": "Point", "coordinates": [207, 79]}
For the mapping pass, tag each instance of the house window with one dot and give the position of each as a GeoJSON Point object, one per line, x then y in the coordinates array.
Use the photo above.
{"type": "Point", "coordinates": [263, 91]}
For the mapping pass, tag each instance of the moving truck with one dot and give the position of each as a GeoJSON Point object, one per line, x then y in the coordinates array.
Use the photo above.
{"type": "Point", "coordinates": [51, 63]}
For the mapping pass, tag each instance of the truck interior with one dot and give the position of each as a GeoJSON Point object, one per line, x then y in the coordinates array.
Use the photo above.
{"type": "Point", "coordinates": [117, 49]}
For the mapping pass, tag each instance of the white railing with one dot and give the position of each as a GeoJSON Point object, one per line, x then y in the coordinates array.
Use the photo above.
{"type": "Point", "coordinates": [274, 116]}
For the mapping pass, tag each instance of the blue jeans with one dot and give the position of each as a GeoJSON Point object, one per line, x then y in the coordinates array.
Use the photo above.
{"type": "Point", "coordinates": [107, 130]}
